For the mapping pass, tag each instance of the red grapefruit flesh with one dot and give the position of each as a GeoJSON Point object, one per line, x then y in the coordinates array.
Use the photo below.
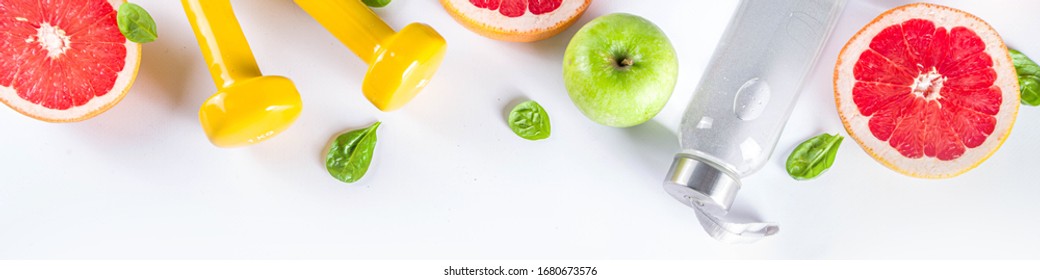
{"type": "Point", "coordinates": [927, 90]}
{"type": "Point", "coordinates": [516, 20]}
{"type": "Point", "coordinates": [64, 60]}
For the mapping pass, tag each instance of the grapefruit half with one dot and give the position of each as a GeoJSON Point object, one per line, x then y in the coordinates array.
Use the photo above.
{"type": "Point", "coordinates": [516, 20]}
{"type": "Point", "coordinates": [64, 60]}
{"type": "Point", "coordinates": [927, 90]}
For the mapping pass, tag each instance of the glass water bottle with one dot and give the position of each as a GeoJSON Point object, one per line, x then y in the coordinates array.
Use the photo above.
{"type": "Point", "coordinates": [741, 105]}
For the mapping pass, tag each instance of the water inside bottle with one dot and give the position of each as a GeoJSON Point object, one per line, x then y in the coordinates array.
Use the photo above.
{"type": "Point", "coordinates": [749, 88]}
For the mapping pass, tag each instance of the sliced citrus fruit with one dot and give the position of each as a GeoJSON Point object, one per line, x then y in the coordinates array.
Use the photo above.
{"type": "Point", "coordinates": [927, 90]}
{"type": "Point", "coordinates": [64, 60]}
{"type": "Point", "coordinates": [516, 20]}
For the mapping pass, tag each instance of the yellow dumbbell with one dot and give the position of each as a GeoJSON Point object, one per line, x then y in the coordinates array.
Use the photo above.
{"type": "Point", "coordinates": [400, 63]}
{"type": "Point", "coordinates": [248, 106]}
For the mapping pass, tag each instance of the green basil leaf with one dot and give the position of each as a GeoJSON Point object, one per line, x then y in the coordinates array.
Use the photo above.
{"type": "Point", "coordinates": [1028, 77]}
{"type": "Point", "coordinates": [376, 3]}
{"type": "Point", "coordinates": [135, 23]}
{"type": "Point", "coordinates": [813, 157]}
{"type": "Point", "coordinates": [351, 153]}
{"type": "Point", "coordinates": [530, 121]}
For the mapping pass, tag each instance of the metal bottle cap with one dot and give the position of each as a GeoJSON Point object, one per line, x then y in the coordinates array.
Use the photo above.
{"type": "Point", "coordinates": [699, 183]}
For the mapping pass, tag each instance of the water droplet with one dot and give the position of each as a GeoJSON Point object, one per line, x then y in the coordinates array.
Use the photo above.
{"type": "Point", "coordinates": [751, 99]}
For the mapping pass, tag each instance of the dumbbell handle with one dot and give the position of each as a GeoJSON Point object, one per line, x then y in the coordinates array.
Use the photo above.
{"type": "Point", "coordinates": [221, 40]}
{"type": "Point", "coordinates": [353, 23]}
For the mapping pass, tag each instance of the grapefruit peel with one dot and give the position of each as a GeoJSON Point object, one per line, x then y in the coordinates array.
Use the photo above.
{"type": "Point", "coordinates": [516, 20]}
{"type": "Point", "coordinates": [32, 45]}
{"type": "Point", "coordinates": [926, 166]}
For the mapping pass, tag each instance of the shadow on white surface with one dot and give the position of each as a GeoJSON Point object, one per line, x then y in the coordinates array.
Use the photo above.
{"type": "Point", "coordinates": [654, 145]}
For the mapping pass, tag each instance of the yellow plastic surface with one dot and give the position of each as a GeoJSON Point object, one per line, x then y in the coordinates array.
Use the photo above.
{"type": "Point", "coordinates": [248, 107]}
{"type": "Point", "coordinates": [400, 63]}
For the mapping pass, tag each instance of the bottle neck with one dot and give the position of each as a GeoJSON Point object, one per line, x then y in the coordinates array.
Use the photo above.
{"type": "Point", "coordinates": [702, 183]}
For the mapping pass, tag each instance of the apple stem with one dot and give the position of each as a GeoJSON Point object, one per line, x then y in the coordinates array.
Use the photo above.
{"type": "Point", "coordinates": [623, 63]}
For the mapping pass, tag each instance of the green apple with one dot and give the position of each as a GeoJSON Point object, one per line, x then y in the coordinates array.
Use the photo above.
{"type": "Point", "coordinates": [620, 70]}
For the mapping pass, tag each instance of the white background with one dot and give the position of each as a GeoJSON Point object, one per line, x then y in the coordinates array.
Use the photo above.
{"type": "Point", "coordinates": [450, 180]}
